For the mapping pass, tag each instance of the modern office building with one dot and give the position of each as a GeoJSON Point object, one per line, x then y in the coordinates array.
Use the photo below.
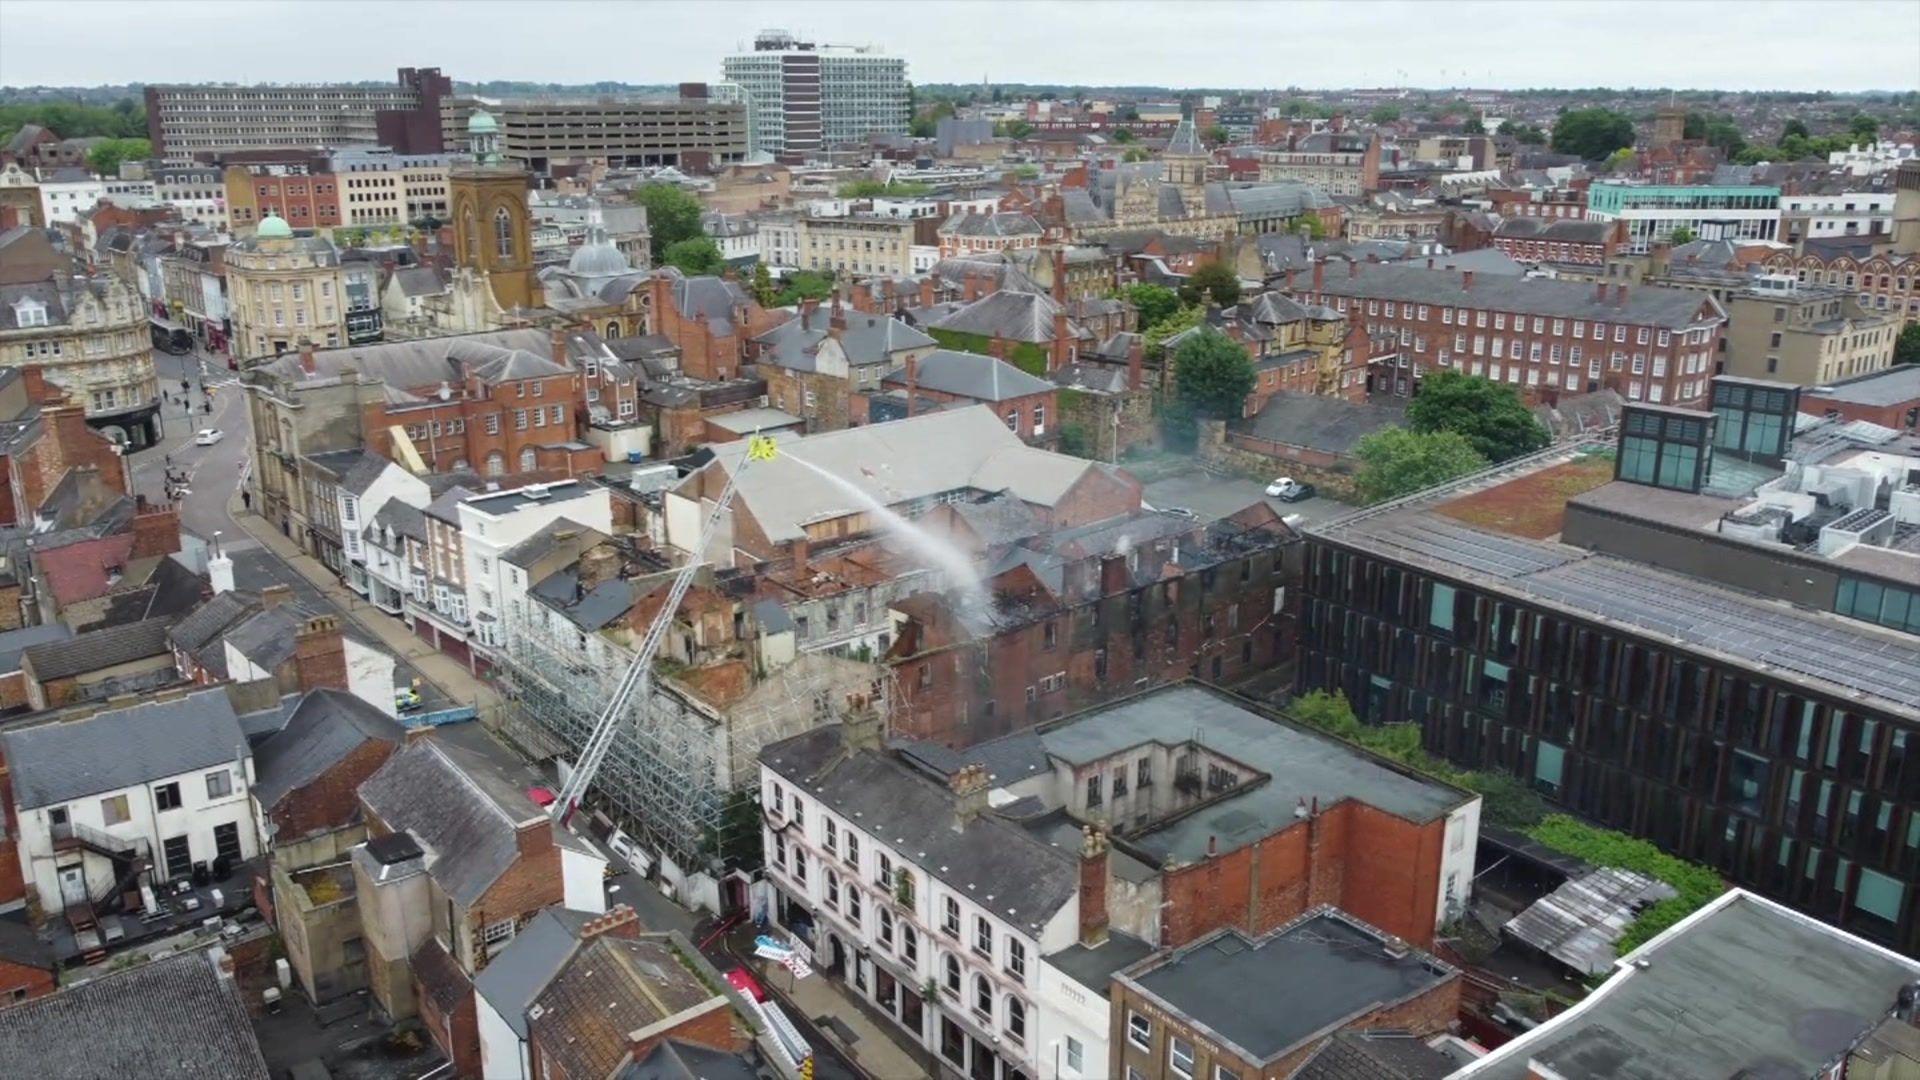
{"type": "Point", "coordinates": [205, 120]}
{"type": "Point", "coordinates": [806, 97]}
{"type": "Point", "coordinates": [538, 135]}
{"type": "Point", "coordinates": [1653, 211]}
{"type": "Point", "coordinates": [1710, 640]}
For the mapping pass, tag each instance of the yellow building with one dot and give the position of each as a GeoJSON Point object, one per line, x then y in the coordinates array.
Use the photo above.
{"type": "Point", "coordinates": [284, 290]}
{"type": "Point", "coordinates": [88, 337]}
{"type": "Point", "coordinates": [491, 232]}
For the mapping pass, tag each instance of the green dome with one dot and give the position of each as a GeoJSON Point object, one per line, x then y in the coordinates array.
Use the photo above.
{"type": "Point", "coordinates": [482, 123]}
{"type": "Point", "coordinates": [273, 226]}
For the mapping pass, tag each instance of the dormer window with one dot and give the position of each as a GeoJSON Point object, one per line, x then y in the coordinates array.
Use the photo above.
{"type": "Point", "coordinates": [29, 312]}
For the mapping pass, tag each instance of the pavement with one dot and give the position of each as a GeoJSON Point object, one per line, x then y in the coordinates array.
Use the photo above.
{"type": "Point", "coordinates": [1213, 497]}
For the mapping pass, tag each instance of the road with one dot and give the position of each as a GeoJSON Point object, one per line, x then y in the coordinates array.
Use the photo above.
{"type": "Point", "coordinates": [1213, 497]}
{"type": "Point", "coordinates": [211, 471]}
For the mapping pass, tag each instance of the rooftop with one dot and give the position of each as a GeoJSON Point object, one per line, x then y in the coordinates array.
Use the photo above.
{"type": "Point", "coordinates": [63, 760]}
{"type": "Point", "coordinates": [1649, 305]}
{"type": "Point", "coordinates": [1743, 987]}
{"type": "Point", "coordinates": [1269, 996]}
{"type": "Point", "coordinates": [463, 811]}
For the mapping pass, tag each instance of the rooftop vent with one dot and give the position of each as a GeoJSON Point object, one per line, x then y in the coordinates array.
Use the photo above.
{"type": "Point", "coordinates": [1868, 525]}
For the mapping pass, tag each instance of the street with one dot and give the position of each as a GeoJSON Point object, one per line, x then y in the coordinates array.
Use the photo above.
{"type": "Point", "coordinates": [211, 471]}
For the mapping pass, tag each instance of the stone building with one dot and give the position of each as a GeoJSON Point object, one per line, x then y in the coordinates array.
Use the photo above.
{"type": "Point", "coordinates": [284, 291]}
{"type": "Point", "coordinates": [88, 337]}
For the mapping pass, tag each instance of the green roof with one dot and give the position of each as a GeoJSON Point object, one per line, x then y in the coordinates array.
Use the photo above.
{"type": "Point", "coordinates": [273, 226]}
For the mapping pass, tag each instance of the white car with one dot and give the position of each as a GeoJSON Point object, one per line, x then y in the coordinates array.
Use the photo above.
{"type": "Point", "coordinates": [208, 436]}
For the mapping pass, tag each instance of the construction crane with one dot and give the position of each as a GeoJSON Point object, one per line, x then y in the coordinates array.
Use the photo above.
{"type": "Point", "coordinates": [638, 679]}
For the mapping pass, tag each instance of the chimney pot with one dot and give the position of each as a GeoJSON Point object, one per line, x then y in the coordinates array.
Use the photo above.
{"type": "Point", "coordinates": [1466, 278]}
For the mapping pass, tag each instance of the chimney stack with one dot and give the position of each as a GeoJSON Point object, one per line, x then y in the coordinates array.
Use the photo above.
{"type": "Point", "coordinates": [1290, 272]}
{"type": "Point", "coordinates": [1093, 886]}
{"type": "Point", "coordinates": [927, 296]}
{"type": "Point", "coordinates": [837, 318]}
{"type": "Point", "coordinates": [320, 655]}
{"type": "Point", "coordinates": [807, 307]}
{"type": "Point", "coordinates": [913, 383]}
{"type": "Point", "coordinates": [1061, 354]}
{"type": "Point", "coordinates": [306, 358]}
{"type": "Point", "coordinates": [274, 595]}
{"type": "Point", "coordinates": [1620, 296]}
{"type": "Point", "coordinates": [598, 565]}
{"type": "Point", "coordinates": [557, 341]}
{"type": "Point", "coordinates": [1060, 275]}
{"type": "Point", "coordinates": [620, 921]}
{"type": "Point", "coordinates": [1599, 292]}
{"type": "Point", "coordinates": [1319, 275]}
{"type": "Point", "coordinates": [1353, 268]}
{"type": "Point", "coordinates": [972, 288]}
{"type": "Point", "coordinates": [1136, 362]}
{"type": "Point", "coordinates": [1466, 279]}
{"type": "Point", "coordinates": [969, 786]}
{"type": "Point", "coordinates": [861, 727]}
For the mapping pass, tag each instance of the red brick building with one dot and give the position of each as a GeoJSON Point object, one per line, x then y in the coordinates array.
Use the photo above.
{"type": "Point", "coordinates": [710, 320]}
{"type": "Point", "coordinates": [46, 439]}
{"type": "Point", "coordinates": [947, 377]}
{"type": "Point", "coordinates": [27, 968]}
{"type": "Point", "coordinates": [304, 201]}
{"type": "Point", "coordinates": [1568, 204]}
{"type": "Point", "coordinates": [1545, 338]}
{"type": "Point", "coordinates": [620, 995]}
{"type": "Point", "coordinates": [1890, 398]}
{"type": "Point", "coordinates": [1566, 242]}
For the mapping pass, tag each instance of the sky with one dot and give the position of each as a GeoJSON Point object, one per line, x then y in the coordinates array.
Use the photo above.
{"type": "Point", "coordinates": [1839, 45]}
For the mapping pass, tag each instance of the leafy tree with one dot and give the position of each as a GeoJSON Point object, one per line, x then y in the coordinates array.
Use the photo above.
{"type": "Point", "coordinates": [803, 285]}
{"type": "Point", "coordinates": [1681, 235]}
{"type": "Point", "coordinates": [1311, 225]}
{"type": "Point", "coordinates": [1025, 172]}
{"type": "Point", "coordinates": [695, 255]}
{"type": "Point", "coordinates": [922, 127]}
{"type": "Point", "coordinates": [1213, 374]}
{"type": "Point", "coordinates": [125, 119]}
{"type": "Point", "coordinates": [1124, 136]}
{"type": "Point", "coordinates": [1157, 333]}
{"type": "Point", "coordinates": [1863, 128]}
{"type": "Point", "coordinates": [1526, 134]}
{"type": "Point", "coordinates": [1135, 154]}
{"type": "Point", "coordinates": [1906, 347]}
{"type": "Point", "coordinates": [672, 216]}
{"type": "Point", "coordinates": [1474, 126]}
{"type": "Point", "coordinates": [1154, 302]}
{"type": "Point", "coordinates": [762, 285]}
{"type": "Point", "coordinates": [1593, 133]}
{"type": "Point", "coordinates": [867, 189]}
{"type": "Point", "coordinates": [1725, 136]}
{"type": "Point", "coordinates": [1795, 126]}
{"type": "Point", "coordinates": [1620, 160]}
{"type": "Point", "coordinates": [105, 158]}
{"type": "Point", "coordinates": [1695, 126]}
{"type": "Point", "coordinates": [1216, 134]}
{"type": "Point", "coordinates": [1215, 281]}
{"type": "Point", "coordinates": [1016, 129]}
{"type": "Point", "coordinates": [1384, 114]}
{"type": "Point", "coordinates": [1396, 461]}
{"type": "Point", "coordinates": [1487, 414]}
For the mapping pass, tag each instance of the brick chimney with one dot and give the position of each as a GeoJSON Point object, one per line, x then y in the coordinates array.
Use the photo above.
{"type": "Point", "coordinates": [320, 654]}
{"type": "Point", "coordinates": [969, 786]}
{"type": "Point", "coordinates": [1062, 353]}
{"type": "Point", "coordinates": [1599, 292]}
{"type": "Point", "coordinates": [889, 302]}
{"type": "Point", "coordinates": [156, 530]}
{"type": "Point", "coordinates": [913, 383]}
{"type": "Point", "coordinates": [1060, 275]}
{"type": "Point", "coordinates": [306, 358]}
{"type": "Point", "coordinates": [837, 319]}
{"type": "Point", "coordinates": [1093, 886]}
{"type": "Point", "coordinates": [1466, 280]}
{"type": "Point", "coordinates": [1319, 275]}
{"type": "Point", "coordinates": [557, 340]}
{"type": "Point", "coordinates": [619, 921]}
{"type": "Point", "coordinates": [973, 288]}
{"type": "Point", "coordinates": [927, 295]}
{"type": "Point", "coordinates": [807, 307]}
{"type": "Point", "coordinates": [274, 595]}
{"type": "Point", "coordinates": [1289, 284]}
{"type": "Point", "coordinates": [1114, 578]}
{"type": "Point", "coordinates": [597, 566]}
{"type": "Point", "coordinates": [997, 348]}
{"type": "Point", "coordinates": [799, 549]}
{"type": "Point", "coordinates": [861, 727]}
{"type": "Point", "coordinates": [1136, 362]}
{"type": "Point", "coordinates": [1620, 296]}
{"type": "Point", "coordinates": [38, 392]}
{"type": "Point", "coordinates": [1353, 268]}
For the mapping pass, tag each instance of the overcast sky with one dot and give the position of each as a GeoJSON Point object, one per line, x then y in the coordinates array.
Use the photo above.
{"type": "Point", "coordinates": [1830, 45]}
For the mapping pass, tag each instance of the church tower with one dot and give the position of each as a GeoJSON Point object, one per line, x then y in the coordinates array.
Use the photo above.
{"type": "Point", "coordinates": [1186, 161]}
{"type": "Point", "coordinates": [492, 232]}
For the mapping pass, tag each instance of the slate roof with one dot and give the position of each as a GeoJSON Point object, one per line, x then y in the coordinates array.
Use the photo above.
{"type": "Point", "coordinates": [990, 225]}
{"type": "Point", "coordinates": [1319, 423]}
{"type": "Point", "coordinates": [600, 605]}
{"type": "Point", "coordinates": [1265, 200]}
{"type": "Point", "coordinates": [866, 339]}
{"type": "Point", "coordinates": [498, 364]}
{"type": "Point", "coordinates": [1186, 139]}
{"type": "Point", "coordinates": [716, 297]}
{"type": "Point", "coordinates": [1555, 230]}
{"type": "Point", "coordinates": [1645, 304]}
{"type": "Point", "coordinates": [609, 988]}
{"type": "Point", "coordinates": [266, 638]}
{"type": "Point", "coordinates": [172, 1019]}
{"type": "Point", "coordinates": [20, 945]}
{"type": "Point", "coordinates": [672, 1059]}
{"type": "Point", "coordinates": [970, 375]}
{"type": "Point", "coordinates": [63, 760]}
{"type": "Point", "coordinates": [206, 622]}
{"type": "Point", "coordinates": [325, 727]}
{"type": "Point", "coordinates": [1014, 316]}
{"type": "Point", "coordinates": [512, 979]}
{"type": "Point", "coordinates": [460, 808]}
{"type": "Point", "coordinates": [403, 518]}
{"type": "Point", "coordinates": [996, 863]}
{"type": "Point", "coordinates": [421, 362]}
{"type": "Point", "coordinates": [98, 649]}
{"type": "Point", "coordinates": [84, 570]}
{"type": "Point", "coordinates": [1896, 385]}
{"type": "Point", "coordinates": [14, 643]}
{"type": "Point", "coordinates": [1375, 1055]}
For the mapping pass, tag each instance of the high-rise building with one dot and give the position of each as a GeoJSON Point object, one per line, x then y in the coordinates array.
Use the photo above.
{"type": "Point", "coordinates": [188, 120]}
{"type": "Point", "coordinates": [805, 97]}
{"type": "Point", "coordinates": [691, 133]}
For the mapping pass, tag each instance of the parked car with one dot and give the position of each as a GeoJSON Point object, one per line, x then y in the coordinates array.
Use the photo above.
{"type": "Point", "coordinates": [1287, 489]}
{"type": "Point", "coordinates": [207, 436]}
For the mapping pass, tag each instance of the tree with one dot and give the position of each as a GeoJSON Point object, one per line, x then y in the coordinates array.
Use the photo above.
{"type": "Point", "coordinates": [1384, 114]}
{"type": "Point", "coordinates": [1135, 154]}
{"type": "Point", "coordinates": [1474, 126]}
{"type": "Point", "coordinates": [1216, 134]}
{"type": "Point", "coordinates": [1154, 302]}
{"type": "Point", "coordinates": [867, 189]}
{"type": "Point", "coordinates": [803, 285]}
{"type": "Point", "coordinates": [1725, 136]}
{"type": "Point", "coordinates": [672, 216]}
{"type": "Point", "coordinates": [1213, 374]}
{"type": "Point", "coordinates": [1487, 414]}
{"type": "Point", "coordinates": [1592, 134]}
{"type": "Point", "coordinates": [1795, 126]}
{"type": "Point", "coordinates": [1863, 128]}
{"type": "Point", "coordinates": [695, 255]}
{"type": "Point", "coordinates": [1525, 134]}
{"type": "Point", "coordinates": [1216, 281]}
{"type": "Point", "coordinates": [1017, 129]}
{"type": "Point", "coordinates": [1157, 333]}
{"type": "Point", "coordinates": [105, 158]}
{"type": "Point", "coordinates": [762, 285]}
{"type": "Point", "coordinates": [1906, 347]}
{"type": "Point", "coordinates": [1396, 461]}
{"type": "Point", "coordinates": [1695, 126]}
{"type": "Point", "coordinates": [1620, 160]}
{"type": "Point", "coordinates": [1124, 136]}
{"type": "Point", "coordinates": [1310, 225]}
{"type": "Point", "coordinates": [1680, 235]}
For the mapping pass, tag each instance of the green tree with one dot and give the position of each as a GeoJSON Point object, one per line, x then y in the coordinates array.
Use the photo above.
{"type": "Point", "coordinates": [1795, 126]}
{"type": "Point", "coordinates": [1310, 224]}
{"type": "Point", "coordinates": [803, 285]}
{"type": "Point", "coordinates": [1474, 126]}
{"type": "Point", "coordinates": [1593, 133]}
{"type": "Point", "coordinates": [1124, 136]}
{"type": "Point", "coordinates": [1157, 333]}
{"type": "Point", "coordinates": [1725, 136]}
{"type": "Point", "coordinates": [1620, 160]}
{"type": "Point", "coordinates": [1863, 128]}
{"type": "Point", "coordinates": [695, 255]}
{"type": "Point", "coordinates": [867, 189]}
{"type": "Point", "coordinates": [1384, 114]}
{"type": "Point", "coordinates": [1906, 347]}
{"type": "Point", "coordinates": [105, 158]}
{"type": "Point", "coordinates": [1215, 281]}
{"type": "Point", "coordinates": [1525, 134]}
{"type": "Point", "coordinates": [1695, 126]}
{"type": "Point", "coordinates": [1681, 235]}
{"type": "Point", "coordinates": [1017, 129]}
{"type": "Point", "coordinates": [762, 285]}
{"type": "Point", "coordinates": [921, 127]}
{"type": "Point", "coordinates": [1488, 415]}
{"type": "Point", "coordinates": [1216, 135]}
{"type": "Point", "coordinates": [1213, 374]}
{"type": "Point", "coordinates": [672, 216]}
{"type": "Point", "coordinates": [1396, 461]}
{"type": "Point", "coordinates": [1154, 302]}
{"type": "Point", "coordinates": [1135, 154]}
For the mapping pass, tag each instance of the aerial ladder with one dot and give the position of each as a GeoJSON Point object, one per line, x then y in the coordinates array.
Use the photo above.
{"type": "Point", "coordinates": [638, 679]}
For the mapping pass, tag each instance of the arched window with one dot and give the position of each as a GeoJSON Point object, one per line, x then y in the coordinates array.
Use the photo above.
{"type": "Point", "coordinates": [953, 974]}
{"type": "Point", "coordinates": [496, 464]}
{"type": "Point", "coordinates": [503, 233]}
{"type": "Point", "coordinates": [1017, 1020]}
{"type": "Point", "coordinates": [527, 459]}
{"type": "Point", "coordinates": [613, 330]}
{"type": "Point", "coordinates": [982, 996]}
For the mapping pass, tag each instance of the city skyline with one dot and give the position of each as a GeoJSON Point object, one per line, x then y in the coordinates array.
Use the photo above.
{"type": "Point", "coordinates": [677, 42]}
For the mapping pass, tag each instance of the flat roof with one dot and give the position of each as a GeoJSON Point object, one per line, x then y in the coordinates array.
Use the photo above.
{"type": "Point", "coordinates": [1743, 987]}
{"type": "Point", "coordinates": [1270, 995]}
{"type": "Point", "coordinates": [1841, 657]}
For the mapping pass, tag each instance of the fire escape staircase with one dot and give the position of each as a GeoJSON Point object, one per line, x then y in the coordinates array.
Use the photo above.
{"type": "Point", "coordinates": [130, 859]}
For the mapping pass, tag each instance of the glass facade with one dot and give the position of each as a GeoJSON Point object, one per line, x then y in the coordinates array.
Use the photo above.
{"type": "Point", "coordinates": [1810, 800]}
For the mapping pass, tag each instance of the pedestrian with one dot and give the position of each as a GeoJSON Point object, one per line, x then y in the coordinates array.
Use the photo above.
{"type": "Point", "coordinates": [246, 499]}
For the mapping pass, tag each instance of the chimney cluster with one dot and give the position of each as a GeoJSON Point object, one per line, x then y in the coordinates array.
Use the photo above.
{"type": "Point", "coordinates": [320, 655]}
{"type": "Point", "coordinates": [619, 921]}
{"type": "Point", "coordinates": [969, 786]}
{"type": "Point", "coordinates": [558, 343]}
{"type": "Point", "coordinates": [861, 727]}
{"type": "Point", "coordinates": [1136, 363]}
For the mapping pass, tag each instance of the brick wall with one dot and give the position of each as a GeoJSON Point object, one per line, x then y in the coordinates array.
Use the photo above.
{"type": "Point", "coordinates": [457, 1034]}
{"type": "Point", "coordinates": [16, 978]}
{"type": "Point", "coordinates": [156, 531]}
{"type": "Point", "coordinates": [328, 801]}
{"type": "Point", "coordinates": [13, 887]}
{"type": "Point", "coordinates": [716, 1028]}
